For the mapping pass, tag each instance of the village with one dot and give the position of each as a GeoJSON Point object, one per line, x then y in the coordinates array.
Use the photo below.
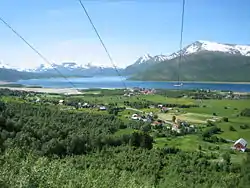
{"type": "Point", "coordinates": [173, 118]}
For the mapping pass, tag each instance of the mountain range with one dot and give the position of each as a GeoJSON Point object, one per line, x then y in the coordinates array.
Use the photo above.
{"type": "Point", "coordinates": [201, 61]}
{"type": "Point", "coordinates": [74, 69]}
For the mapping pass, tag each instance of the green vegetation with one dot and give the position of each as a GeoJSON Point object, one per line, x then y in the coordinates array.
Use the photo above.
{"type": "Point", "coordinates": [44, 144]}
{"type": "Point", "coordinates": [204, 66]}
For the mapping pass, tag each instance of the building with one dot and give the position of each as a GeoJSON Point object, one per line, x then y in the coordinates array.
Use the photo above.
{"type": "Point", "coordinates": [102, 108]}
{"type": "Point", "coordinates": [135, 117]}
{"type": "Point", "coordinates": [61, 102]}
{"type": "Point", "coordinates": [240, 145]}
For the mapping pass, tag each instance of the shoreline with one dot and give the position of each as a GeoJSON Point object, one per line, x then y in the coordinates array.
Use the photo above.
{"type": "Point", "coordinates": [195, 82]}
{"type": "Point", "coordinates": [71, 91]}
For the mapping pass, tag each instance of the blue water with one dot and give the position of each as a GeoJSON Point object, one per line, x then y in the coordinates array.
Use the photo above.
{"type": "Point", "coordinates": [115, 82]}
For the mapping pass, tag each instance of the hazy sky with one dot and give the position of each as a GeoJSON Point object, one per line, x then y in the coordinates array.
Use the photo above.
{"type": "Point", "coordinates": [60, 30]}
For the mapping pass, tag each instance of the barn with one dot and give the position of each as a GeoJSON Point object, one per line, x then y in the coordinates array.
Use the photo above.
{"type": "Point", "coordinates": [240, 145]}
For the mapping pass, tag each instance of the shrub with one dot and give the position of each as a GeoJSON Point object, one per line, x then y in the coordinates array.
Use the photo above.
{"type": "Point", "coordinates": [245, 112]}
{"type": "Point", "coordinates": [231, 128]}
{"type": "Point", "coordinates": [244, 126]}
{"type": "Point", "coordinates": [225, 119]}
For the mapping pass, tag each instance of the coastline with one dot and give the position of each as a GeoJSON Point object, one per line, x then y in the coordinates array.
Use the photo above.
{"type": "Point", "coordinates": [196, 82]}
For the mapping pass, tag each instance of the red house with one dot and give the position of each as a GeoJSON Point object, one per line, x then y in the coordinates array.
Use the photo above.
{"type": "Point", "coordinates": [240, 145]}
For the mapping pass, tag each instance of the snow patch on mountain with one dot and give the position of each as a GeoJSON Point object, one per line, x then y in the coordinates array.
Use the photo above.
{"type": "Point", "coordinates": [143, 59]}
{"type": "Point", "coordinates": [5, 66]}
{"type": "Point", "coordinates": [202, 45]}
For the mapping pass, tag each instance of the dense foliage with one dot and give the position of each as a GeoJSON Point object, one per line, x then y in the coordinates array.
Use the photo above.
{"type": "Point", "coordinates": [52, 131]}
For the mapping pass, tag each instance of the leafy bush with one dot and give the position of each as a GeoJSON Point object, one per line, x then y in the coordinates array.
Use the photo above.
{"type": "Point", "coordinates": [231, 128]}
{"type": "Point", "coordinates": [245, 126]}
{"type": "Point", "coordinates": [225, 119]}
{"type": "Point", "coordinates": [245, 112]}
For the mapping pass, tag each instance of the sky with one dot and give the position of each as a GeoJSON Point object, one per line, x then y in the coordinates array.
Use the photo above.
{"type": "Point", "coordinates": [60, 30]}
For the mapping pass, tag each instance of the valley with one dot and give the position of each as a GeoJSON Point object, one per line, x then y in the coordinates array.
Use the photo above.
{"type": "Point", "coordinates": [137, 135]}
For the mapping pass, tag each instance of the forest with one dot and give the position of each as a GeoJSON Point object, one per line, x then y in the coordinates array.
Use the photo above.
{"type": "Point", "coordinates": [43, 146]}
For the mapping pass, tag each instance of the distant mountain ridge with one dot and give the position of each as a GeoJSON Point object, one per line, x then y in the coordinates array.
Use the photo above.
{"type": "Point", "coordinates": [73, 69]}
{"type": "Point", "coordinates": [217, 58]}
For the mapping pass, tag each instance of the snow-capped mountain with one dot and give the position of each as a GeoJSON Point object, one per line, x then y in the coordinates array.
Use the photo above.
{"type": "Point", "coordinates": [72, 69]}
{"type": "Point", "coordinates": [197, 47]}
{"type": "Point", "coordinates": [202, 45]}
{"type": "Point", "coordinates": [66, 65]}
{"type": "Point", "coordinates": [151, 59]}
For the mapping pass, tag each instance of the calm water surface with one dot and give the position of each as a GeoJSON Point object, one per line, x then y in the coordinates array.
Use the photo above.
{"type": "Point", "coordinates": [115, 82]}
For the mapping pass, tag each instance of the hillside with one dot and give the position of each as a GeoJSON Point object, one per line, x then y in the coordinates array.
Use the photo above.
{"type": "Point", "coordinates": [14, 75]}
{"type": "Point", "coordinates": [202, 66]}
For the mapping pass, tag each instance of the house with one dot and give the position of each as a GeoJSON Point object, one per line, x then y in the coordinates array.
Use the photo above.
{"type": "Point", "coordinates": [85, 105]}
{"type": "Point", "coordinates": [102, 108]}
{"type": "Point", "coordinates": [175, 127]}
{"type": "Point", "coordinates": [135, 117]}
{"type": "Point", "coordinates": [240, 145]}
{"type": "Point", "coordinates": [61, 102]}
{"type": "Point", "coordinates": [160, 105]}
{"type": "Point", "coordinates": [164, 109]}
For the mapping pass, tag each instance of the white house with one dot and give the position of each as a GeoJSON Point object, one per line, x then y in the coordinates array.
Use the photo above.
{"type": "Point", "coordinates": [135, 117]}
{"type": "Point", "coordinates": [61, 102]}
{"type": "Point", "coordinates": [240, 145]}
{"type": "Point", "coordinates": [102, 108]}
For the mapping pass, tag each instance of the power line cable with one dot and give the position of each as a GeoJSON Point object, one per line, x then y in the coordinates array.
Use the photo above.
{"type": "Point", "coordinates": [37, 52]}
{"type": "Point", "coordinates": [181, 38]}
{"type": "Point", "coordinates": [105, 48]}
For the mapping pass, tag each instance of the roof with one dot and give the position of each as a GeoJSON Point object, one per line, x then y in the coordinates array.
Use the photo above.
{"type": "Point", "coordinates": [242, 142]}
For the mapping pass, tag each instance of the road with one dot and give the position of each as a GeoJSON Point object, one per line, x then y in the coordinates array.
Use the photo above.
{"type": "Point", "coordinates": [134, 109]}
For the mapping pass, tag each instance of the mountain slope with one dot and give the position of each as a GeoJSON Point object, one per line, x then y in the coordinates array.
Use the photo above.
{"type": "Point", "coordinates": [143, 63]}
{"type": "Point", "coordinates": [12, 75]}
{"type": "Point", "coordinates": [202, 66]}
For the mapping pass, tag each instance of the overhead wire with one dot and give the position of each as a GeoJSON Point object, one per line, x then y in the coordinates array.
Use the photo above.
{"type": "Point", "coordinates": [180, 50]}
{"type": "Point", "coordinates": [181, 38]}
{"type": "Point", "coordinates": [37, 52]}
{"type": "Point", "coordinates": [102, 43]}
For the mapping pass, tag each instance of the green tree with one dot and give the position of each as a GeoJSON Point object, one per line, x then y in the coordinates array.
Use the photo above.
{"type": "Point", "coordinates": [173, 118]}
{"type": "Point", "coordinates": [245, 173]}
{"type": "Point", "coordinates": [226, 157]}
